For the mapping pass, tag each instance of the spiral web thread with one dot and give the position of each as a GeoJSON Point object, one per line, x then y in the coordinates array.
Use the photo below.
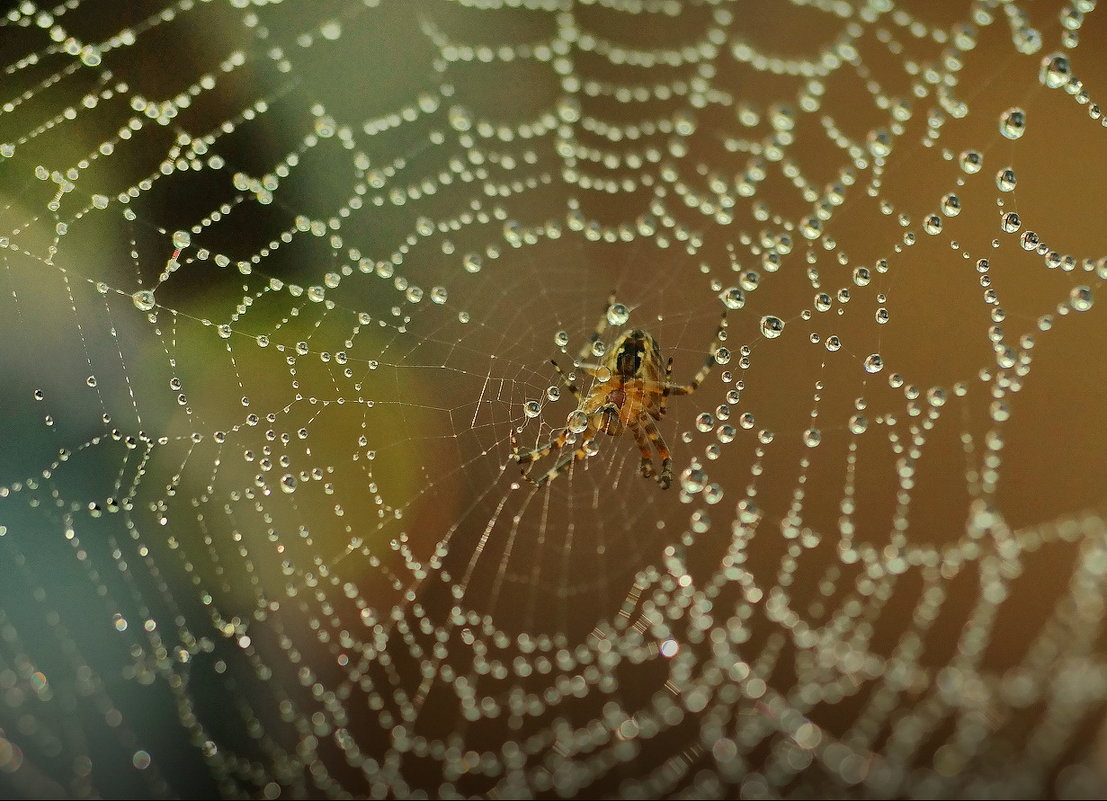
{"type": "Point", "coordinates": [282, 281]}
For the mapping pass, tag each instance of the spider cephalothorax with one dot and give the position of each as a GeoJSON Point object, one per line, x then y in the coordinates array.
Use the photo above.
{"type": "Point", "coordinates": [631, 391]}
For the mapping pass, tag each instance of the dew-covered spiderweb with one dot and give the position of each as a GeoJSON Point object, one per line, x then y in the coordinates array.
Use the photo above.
{"type": "Point", "coordinates": [281, 287]}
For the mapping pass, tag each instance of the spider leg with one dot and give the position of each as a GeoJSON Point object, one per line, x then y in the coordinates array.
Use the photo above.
{"type": "Point", "coordinates": [528, 459]}
{"type": "Point", "coordinates": [666, 476]}
{"type": "Point", "coordinates": [644, 449]}
{"type": "Point", "coordinates": [577, 455]}
{"type": "Point", "coordinates": [571, 385]}
{"type": "Point", "coordinates": [660, 412]}
{"type": "Point", "coordinates": [697, 379]}
{"type": "Point", "coordinates": [601, 326]}
{"type": "Point", "coordinates": [586, 350]}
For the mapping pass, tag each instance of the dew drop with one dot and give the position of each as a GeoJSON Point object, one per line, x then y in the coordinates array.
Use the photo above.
{"type": "Point", "coordinates": [971, 161]}
{"type": "Point", "coordinates": [532, 408]}
{"type": "Point", "coordinates": [577, 421]}
{"type": "Point", "coordinates": [1011, 222]}
{"type": "Point", "coordinates": [617, 314]}
{"type": "Point", "coordinates": [144, 299]}
{"type": "Point", "coordinates": [733, 298]}
{"type": "Point", "coordinates": [1055, 71]}
{"type": "Point", "coordinates": [1012, 123]}
{"type": "Point", "coordinates": [1005, 180]}
{"type": "Point", "coordinates": [873, 363]}
{"type": "Point", "coordinates": [181, 239]}
{"type": "Point", "coordinates": [771, 326]}
{"type": "Point", "coordinates": [1080, 298]}
{"type": "Point", "coordinates": [693, 480]}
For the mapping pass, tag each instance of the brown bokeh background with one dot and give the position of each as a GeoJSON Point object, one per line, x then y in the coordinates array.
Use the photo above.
{"type": "Point", "coordinates": [251, 531]}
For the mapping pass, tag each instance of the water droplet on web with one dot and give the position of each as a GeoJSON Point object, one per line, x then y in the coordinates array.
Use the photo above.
{"type": "Point", "coordinates": [771, 326]}
{"type": "Point", "coordinates": [532, 408]}
{"type": "Point", "coordinates": [617, 314]}
{"type": "Point", "coordinates": [144, 299]}
{"type": "Point", "coordinates": [812, 437]}
{"type": "Point", "coordinates": [288, 483]}
{"type": "Point", "coordinates": [704, 422]}
{"type": "Point", "coordinates": [472, 263]}
{"type": "Point", "coordinates": [1080, 298]}
{"type": "Point", "coordinates": [439, 295]}
{"type": "Point", "coordinates": [553, 393]}
{"type": "Point", "coordinates": [181, 239]}
{"type": "Point", "coordinates": [971, 161]}
{"type": "Point", "coordinates": [858, 424]}
{"type": "Point", "coordinates": [693, 479]}
{"type": "Point", "coordinates": [932, 224]}
{"type": "Point", "coordinates": [810, 227]}
{"type": "Point", "coordinates": [951, 205]}
{"type": "Point", "coordinates": [833, 343]}
{"type": "Point", "coordinates": [1055, 71]}
{"type": "Point", "coordinates": [598, 348]}
{"type": "Point", "coordinates": [880, 142]}
{"type": "Point", "coordinates": [1012, 123]}
{"type": "Point", "coordinates": [873, 363]}
{"type": "Point", "coordinates": [733, 298]}
{"type": "Point", "coordinates": [460, 118]}
{"type": "Point", "coordinates": [722, 356]}
{"type": "Point", "coordinates": [561, 339]}
{"type": "Point", "coordinates": [577, 421]}
{"type": "Point", "coordinates": [1011, 222]}
{"type": "Point", "coordinates": [1006, 180]}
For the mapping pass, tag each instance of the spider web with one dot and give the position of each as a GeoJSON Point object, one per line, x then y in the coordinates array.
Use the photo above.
{"type": "Point", "coordinates": [282, 280]}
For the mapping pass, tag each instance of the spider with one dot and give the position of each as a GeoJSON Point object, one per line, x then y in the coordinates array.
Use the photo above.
{"type": "Point", "coordinates": [632, 391]}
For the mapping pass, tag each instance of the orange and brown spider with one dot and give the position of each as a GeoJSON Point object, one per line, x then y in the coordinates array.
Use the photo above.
{"type": "Point", "coordinates": [631, 391]}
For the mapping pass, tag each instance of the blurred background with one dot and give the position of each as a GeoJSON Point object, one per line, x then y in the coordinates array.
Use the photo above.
{"type": "Point", "coordinates": [282, 281]}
